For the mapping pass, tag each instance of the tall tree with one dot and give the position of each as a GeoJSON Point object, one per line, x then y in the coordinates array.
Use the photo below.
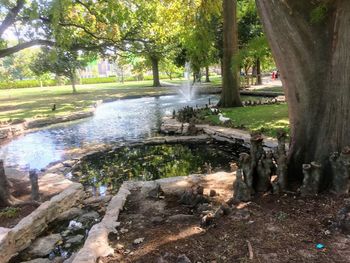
{"type": "Point", "coordinates": [59, 62]}
{"type": "Point", "coordinates": [310, 41]}
{"type": "Point", "coordinates": [230, 78]}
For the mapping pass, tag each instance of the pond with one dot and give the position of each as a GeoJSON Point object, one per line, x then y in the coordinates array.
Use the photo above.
{"type": "Point", "coordinates": [122, 120]}
{"type": "Point", "coordinates": [107, 172]}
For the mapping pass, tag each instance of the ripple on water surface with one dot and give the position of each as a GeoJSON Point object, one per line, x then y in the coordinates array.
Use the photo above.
{"type": "Point", "coordinates": [116, 121]}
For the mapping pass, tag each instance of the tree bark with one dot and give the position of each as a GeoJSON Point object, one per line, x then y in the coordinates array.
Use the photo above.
{"type": "Point", "coordinates": [230, 87]}
{"type": "Point", "coordinates": [258, 72]}
{"type": "Point", "coordinates": [207, 77]}
{"type": "Point", "coordinates": [4, 187]}
{"type": "Point", "coordinates": [155, 70]}
{"type": "Point", "coordinates": [6, 199]}
{"type": "Point", "coordinates": [11, 50]}
{"type": "Point", "coordinates": [314, 60]}
{"type": "Point", "coordinates": [72, 80]}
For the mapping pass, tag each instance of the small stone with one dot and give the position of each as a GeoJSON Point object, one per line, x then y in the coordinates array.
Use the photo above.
{"type": "Point", "coordinates": [207, 220]}
{"type": "Point", "coordinates": [183, 259]}
{"type": "Point", "coordinates": [327, 232]}
{"type": "Point", "coordinates": [75, 225]}
{"type": "Point", "coordinates": [76, 239]}
{"type": "Point", "coordinates": [44, 245]}
{"type": "Point", "coordinates": [124, 230]}
{"type": "Point", "coordinates": [68, 245]}
{"type": "Point", "coordinates": [212, 193]}
{"type": "Point", "coordinates": [90, 216]}
{"type": "Point", "coordinates": [65, 233]}
{"type": "Point", "coordinates": [119, 246]}
{"type": "Point", "coordinates": [138, 241]}
{"type": "Point", "coordinates": [70, 214]}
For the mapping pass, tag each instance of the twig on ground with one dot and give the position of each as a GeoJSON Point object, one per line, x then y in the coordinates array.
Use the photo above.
{"type": "Point", "coordinates": [250, 249]}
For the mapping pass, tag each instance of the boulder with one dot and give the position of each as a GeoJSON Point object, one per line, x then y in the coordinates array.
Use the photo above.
{"type": "Point", "coordinates": [44, 245]}
{"type": "Point", "coordinates": [75, 240]}
{"type": "Point", "coordinates": [88, 217]}
{"type": "Point", "coordinates": [70, 214]}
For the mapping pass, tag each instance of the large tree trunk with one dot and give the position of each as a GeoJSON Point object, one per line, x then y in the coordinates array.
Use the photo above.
{"type": "Point", "coordinates": [72, 79]}
{"type": "Point", "coordinates": [207, 77]}
{"type": "Point", "coordinates": [230, 86]}
{"type": "Point", "coordinates": [6, 199]}
{"type": "Point", "coordinates": [4, 187]}
{"type": "Point", "coordinates": [258, 72]}
{"type": "Point", "coordinates": [155, 70]}
{"type": "Point", "coordinates": [314, 60]}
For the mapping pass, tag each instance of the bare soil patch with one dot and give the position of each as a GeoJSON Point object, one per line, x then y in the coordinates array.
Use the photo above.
{"type": "Point", "coordinates": [276, 228]}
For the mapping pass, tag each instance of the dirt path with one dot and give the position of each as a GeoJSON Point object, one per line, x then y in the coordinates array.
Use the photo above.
{"type": "Point", "coordinates": [277, 229]}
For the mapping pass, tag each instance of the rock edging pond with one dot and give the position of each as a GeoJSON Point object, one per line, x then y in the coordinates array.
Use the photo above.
{"type": "Point", "coordinates": [21, 236]}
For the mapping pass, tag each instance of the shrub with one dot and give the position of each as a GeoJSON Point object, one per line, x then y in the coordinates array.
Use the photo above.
{"type": "Point", "coordinates": [26, 84]}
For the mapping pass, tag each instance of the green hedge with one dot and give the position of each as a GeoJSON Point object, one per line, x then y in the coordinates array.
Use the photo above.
{"type": "Point", "coordinates": [25, 84]}
{"type": "Point", "coordinates": [98, 80]}
{"type": "Point", "coordinates": [48, 83]}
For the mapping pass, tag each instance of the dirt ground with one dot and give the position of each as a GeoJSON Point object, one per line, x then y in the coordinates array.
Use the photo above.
{"type": "Point", "coordinates": [21, 191]}
{"type": "Point", "coordinates": [276, 228]}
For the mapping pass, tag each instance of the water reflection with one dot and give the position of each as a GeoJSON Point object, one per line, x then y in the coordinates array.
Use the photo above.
{"type": "Point", "coordinates": [115, 121]}
{"type": "Point", "coordinates": [154, 162]}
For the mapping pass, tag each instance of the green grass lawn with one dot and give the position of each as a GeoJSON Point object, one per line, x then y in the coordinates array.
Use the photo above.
{"type": "Point", "coordinates": [26, 103]}
{"type": "Point", "coordinates": [37, 102]}
{"type": "Point", "coordinates": [265, 118]}
{"type": "Point", "coordinates": [271, 89]}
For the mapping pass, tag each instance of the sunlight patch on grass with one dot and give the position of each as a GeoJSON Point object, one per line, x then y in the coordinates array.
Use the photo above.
{"type": "Point", "coordinates": [265, 118]}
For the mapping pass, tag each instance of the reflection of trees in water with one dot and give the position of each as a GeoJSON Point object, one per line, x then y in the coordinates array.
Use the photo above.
{"type": "Point", "coordinates": [152, 162]}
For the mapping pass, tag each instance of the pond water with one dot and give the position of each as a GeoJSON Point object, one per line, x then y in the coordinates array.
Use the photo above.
{"type": "Point", "coordinates": [121, 120]}
{"type": "Point", "coordinates": [107, 172]}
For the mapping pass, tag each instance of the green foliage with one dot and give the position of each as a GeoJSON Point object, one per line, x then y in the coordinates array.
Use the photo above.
{"type": "Point", "coordinates": [98, 80]}
{"type": "Point", "coordinates": [59, 62]}
{"type": "Point", "coordinates": [9, 212]}
{"type": "Point", "coordinates": [319, 13]}
{"type": "Point", "coordinates": [20, 84]}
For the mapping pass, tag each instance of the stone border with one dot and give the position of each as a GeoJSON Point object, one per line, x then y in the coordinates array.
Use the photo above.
{"type": "Point", "coordinates": [21, 236]}
{"type": "Point", "coordinates": [17, 129]}
{"type": "Point", "coordinates": [230, 135]}
{"type": "Point", "coordinates": [97, 243]}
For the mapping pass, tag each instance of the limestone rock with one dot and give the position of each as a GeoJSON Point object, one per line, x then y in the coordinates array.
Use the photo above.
{"type": "Point", "coordinates": [96, 200]}
{"type": "Point", "coordinates": [44, 245]}
{"type": "Point", "coordinates": [90, 216]}
{"type": "Point", "coordinates": [138, 241]}
{"type": "Point", "coordinates": [75, 240]}
{"type": "Point", "coordinates": [70, 214]}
